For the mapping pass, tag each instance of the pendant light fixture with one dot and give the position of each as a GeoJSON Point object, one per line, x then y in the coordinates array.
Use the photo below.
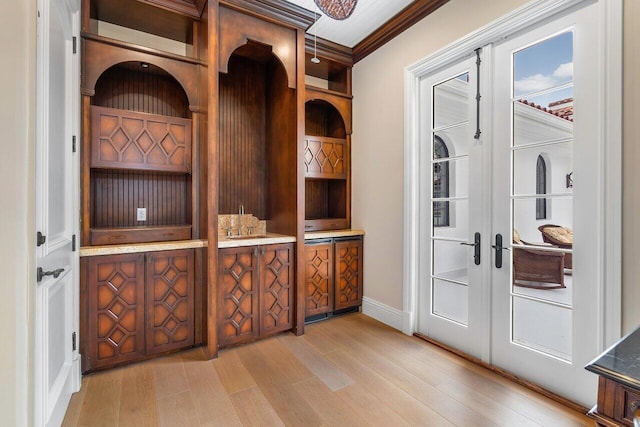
{"type": "Point", "coordinates": [315, 59]}
{"type": "Point", "coordinates": [337, 9]}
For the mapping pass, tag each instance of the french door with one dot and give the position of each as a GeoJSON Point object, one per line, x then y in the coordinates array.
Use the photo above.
{"type": "Point", "coordinates": [450, 170]}
{"type": "Point", "coordinates": [511, 203]}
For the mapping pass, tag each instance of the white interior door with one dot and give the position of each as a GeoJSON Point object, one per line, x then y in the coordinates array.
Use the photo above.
{"type": "Point", "coordinates": [450, 192]}
{"type": "Point", "coordinates": [56, 359]}
{"type": "Point", "coordinates": [548, 169]}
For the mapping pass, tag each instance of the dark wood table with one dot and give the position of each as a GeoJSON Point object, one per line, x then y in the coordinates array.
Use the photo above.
{"type": "Point", "coordinates": [618, 369]}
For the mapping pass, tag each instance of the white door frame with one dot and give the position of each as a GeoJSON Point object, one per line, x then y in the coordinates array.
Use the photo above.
{"type": "Point", "coordinates": [610, 296]}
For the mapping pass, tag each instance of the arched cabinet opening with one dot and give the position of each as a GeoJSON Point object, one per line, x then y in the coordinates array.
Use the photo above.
{"type": "Point", "coordinates": [141, 156]}
{"type": "Point", "coordinates": [257, 139]}
{"type": "Point", "coordinates": [327, 165]}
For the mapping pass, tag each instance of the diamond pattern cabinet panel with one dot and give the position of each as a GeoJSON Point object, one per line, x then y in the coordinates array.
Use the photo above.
{"type": "Point", "coordinates": [319, 278]}
{"type": "Point", "coordinates": [348, 273]}
{"type": "Point", "coordinates": [115, 308]}
{"type": "Point", "coordinates": [276, 288]}
{"type": "Point", "coordinates": [237, 295]}
{"type": "Point", "coordinates": [122, 139]}
{"type": "Point", "coordinates": [170, 298]}
{"type": "Point", "coordinates": [325, 157]}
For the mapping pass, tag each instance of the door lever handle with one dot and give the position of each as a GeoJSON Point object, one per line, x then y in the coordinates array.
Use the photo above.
{"type": "Point", "coordinates": [476, 249]}
{"type": "Point", "coordinates": [499, 248]}
{"type": "Point", "coordinates": [55, 273]}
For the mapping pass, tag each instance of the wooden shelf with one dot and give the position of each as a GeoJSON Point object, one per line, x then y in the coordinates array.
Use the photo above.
{"type": "Point", "coordinates": [143, 234]}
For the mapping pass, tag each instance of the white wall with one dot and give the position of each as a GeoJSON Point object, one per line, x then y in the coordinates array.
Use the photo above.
{"type": "Point", "coordinates": [378, 136]}
{"type": "Point", "coordinates": [17, 244]}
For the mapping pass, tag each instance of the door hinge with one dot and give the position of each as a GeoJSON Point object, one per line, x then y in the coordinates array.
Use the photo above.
{"type": "Point", "coordinates": [73, 341]}
{"type": "Point", "coordinates": [73, 143]}
{"type": "Point", "coordinates": [73, 243]}
{"type": "Point", "coordinates": [41, 238]}
{"type": "Point", "coordinates": [75, 44]}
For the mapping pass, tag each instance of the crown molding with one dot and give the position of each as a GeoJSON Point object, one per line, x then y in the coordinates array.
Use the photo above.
{"type": "Point", "coordinates": [394, 26]}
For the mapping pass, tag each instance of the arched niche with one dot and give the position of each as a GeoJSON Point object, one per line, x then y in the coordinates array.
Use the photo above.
{"type": "Point", "coordinates": [238, 29]}
{"type": "Point", "coordinates": [101, 56]}
{"type": "Point", "coordinates": [333, 103]}
{"type": "Point", "coordinates": [322, 118]}
{"type": "Point", "coordinates": [257, 137]}
{"type": "Point", "coordinates": [142, 87]}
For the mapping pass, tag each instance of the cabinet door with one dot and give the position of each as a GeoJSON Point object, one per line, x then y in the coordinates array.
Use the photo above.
{"type": "Point", "coordinates": [122, 139]}
{"type": "Point", "coordinates": [325, 157]}
{"type": "Point", "coordinates": [276, 288]}
{"type": "Point", "coordinates": [348, 273]}
{"type": "Point", "coordinates": [169, 295]}
{"type": "Point", "coordinates": [319, 278]}
{"type": "Point", "coordinates": [237, 295]}
{"type": "Point", "coordinates": [115, 310]}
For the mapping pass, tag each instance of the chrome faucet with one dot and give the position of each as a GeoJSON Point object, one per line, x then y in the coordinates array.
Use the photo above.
{"type": "Point", "coordinates": [240, 213]}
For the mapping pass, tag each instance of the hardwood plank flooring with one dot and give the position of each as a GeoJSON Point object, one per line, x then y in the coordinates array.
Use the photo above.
{"type": "Point", "coordinates": [347, 371]}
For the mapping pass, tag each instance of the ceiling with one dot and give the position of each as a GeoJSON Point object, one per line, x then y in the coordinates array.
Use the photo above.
{"type": "Point", "coordinates": [367, 17]}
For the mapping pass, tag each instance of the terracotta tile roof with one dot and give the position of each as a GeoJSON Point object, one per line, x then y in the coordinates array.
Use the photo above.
{"type": "Point", "coordinates": [564, 112]}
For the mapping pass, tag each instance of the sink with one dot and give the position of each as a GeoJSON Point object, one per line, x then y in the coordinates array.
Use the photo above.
{"type": "Point", "coordinates": [246, 237]}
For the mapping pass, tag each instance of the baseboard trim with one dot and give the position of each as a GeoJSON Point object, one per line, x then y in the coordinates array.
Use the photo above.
{"type": "Point", "coordinates": [388, 315]}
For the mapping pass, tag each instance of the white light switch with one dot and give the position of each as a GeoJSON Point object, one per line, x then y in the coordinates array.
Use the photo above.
{"type": "Point", "coordinates": [142, 214]}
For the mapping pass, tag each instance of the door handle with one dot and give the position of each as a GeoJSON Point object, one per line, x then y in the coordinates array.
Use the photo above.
{"type": "Point", "coordinates": [476, 249]}
{"type": "Point", "coordinates": [498, 248]}
{"type": "Point", "coordinates": [55, 273]}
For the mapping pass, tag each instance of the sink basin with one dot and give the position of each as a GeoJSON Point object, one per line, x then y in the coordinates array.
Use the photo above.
{"type": "Point", "coordinates": [247, 237]}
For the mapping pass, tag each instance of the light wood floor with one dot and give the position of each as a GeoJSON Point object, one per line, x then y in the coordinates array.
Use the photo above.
{"type": "Point", "coordinates": [348, 371]}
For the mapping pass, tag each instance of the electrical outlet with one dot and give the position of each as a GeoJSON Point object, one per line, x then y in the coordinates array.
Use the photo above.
{"type": "Point", "coordinates": [141, 214]}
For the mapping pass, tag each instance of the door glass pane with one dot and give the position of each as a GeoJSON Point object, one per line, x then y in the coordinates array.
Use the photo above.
{"type": "Point", "coordinates": [451, 99]}
{"type": "Point", "coordinates": [456, 214]}
{"type": "Point", "coordinates": [542, 196]}
{"type": "Point", "coordinates": [450, 301]}
{"type": "Point", "coordinates": [450, 139]}
{"type": "Point", "coordinates": [543, 327]}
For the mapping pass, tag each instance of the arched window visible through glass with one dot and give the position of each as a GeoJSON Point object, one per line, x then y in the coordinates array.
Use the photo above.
{"type": "Point", "coordinates": [541, 188]}
{"type": "Point", "coordinates": [440, 183]}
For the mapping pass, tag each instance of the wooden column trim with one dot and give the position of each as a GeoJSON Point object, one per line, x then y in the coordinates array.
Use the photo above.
{"type": "Point", "coordinates": [396, 25]}
{"type": "Point", "coordinates": [85, 172]}
{"type": "Point", "coordinates": [300, 287]}
{"type": "Point", "coordinates": [211, 348]}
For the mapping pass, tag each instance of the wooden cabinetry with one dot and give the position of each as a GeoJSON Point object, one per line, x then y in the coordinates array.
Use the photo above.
{"type": "Point", "coordinates": [327, 160]}
{"type": "Point", "coordinates": [169, 300]}
{"type": "Point", "coordinates": [123, 139]}
{"type": "Point", "coordinates": [136, 306]}
{"type": "Point", "coordinates": [333, 275]}
{"type": "Point", "coordinates": [255, 292]}
{"type": "Point", "coordinates": [141, 133]}
{"type": "Point", "coordinates": [618, 383]}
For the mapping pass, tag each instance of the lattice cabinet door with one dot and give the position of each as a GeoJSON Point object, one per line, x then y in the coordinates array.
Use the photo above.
{"type": "Point", "coordinates": [325, 157]}
{"type": "Point", "coordinates": [276, 288]}
{"type": "Point", "coordinates": [122, 139]}
{"type": "Point", "coordinates": [115, 310]}
{"type": "Point", "coordinates": [319, 278]}
{"type": "Point", "coordinates": [237, 294]}
{"type": "Point", "coordinates": [348, 271]}
{"type": "Point", "coordinates": [170, 298]}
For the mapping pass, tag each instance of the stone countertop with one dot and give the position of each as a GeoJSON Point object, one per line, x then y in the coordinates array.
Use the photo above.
{"type": "Point", "coordinates": [332, 233]}
{"type": "Point", "coordinates": [223, 242]}
{"type": "Point", "coordinates": [132, 248]}
{"type": "Point", "coordinates": [252, 240]}
{"type": "Point", "coordinates": [621, 362]}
